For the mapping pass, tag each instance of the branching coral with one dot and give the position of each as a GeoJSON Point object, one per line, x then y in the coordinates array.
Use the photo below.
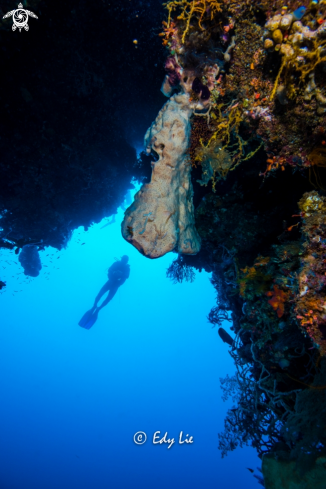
{"type": "Point", "coordinates": [272, 414]}
{"type": "Point", "coordinates": [305, 430]}
{"type": "Point", "coordinates": [216, 162]}
{"type": "Point", "coordinates": [225, 149]}
{"type": "Point", "coordinates": [218, 315]}
{"type": "Point", "coordinates": [180, 271]}
{"type": "Point", "coordinates": [171, 37]}
{"type": "Point", "coordinates": [260, 412]}
{"type": "Point", "coordinates": [189, 9]}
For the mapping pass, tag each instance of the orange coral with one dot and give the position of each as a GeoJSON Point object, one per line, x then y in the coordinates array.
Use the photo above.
{"type": "Point", "coordinates": [310, 319]}
{"type": "Point", "coordinates": [274, 164]}
{"type": "Point", "coordinates": [262, 261]}
{"type": "Point", "coordinates": [169, 32]}
{"type": "Point", "coordinates": [253, 282]}
{"type": "Point", "coordinates": [278, 297]}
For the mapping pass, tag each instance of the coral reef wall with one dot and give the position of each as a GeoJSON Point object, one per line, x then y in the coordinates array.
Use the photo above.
{"type": "Point", "coordinates": [257, 148]}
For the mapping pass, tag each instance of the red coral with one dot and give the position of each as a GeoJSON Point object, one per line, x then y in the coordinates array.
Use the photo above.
{"type": "Point", "coordinates": [278, 297]}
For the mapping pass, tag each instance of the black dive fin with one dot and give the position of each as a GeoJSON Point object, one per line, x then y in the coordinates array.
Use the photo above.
{"type": "Point", "coordinates": [88, 319]}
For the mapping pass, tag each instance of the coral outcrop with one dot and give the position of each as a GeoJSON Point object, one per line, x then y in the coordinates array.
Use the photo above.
{"type": "Point", "coordinates": [283, 474]}
{"type": "Point", "coordinates": [161, 218]}
{"type": "Point", "coordinates": [29, 259]}
{"type": "Point", "coordinates": [258, 153]}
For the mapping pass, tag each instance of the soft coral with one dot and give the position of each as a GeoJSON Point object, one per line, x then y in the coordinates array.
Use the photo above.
{"type": "Point", "coordinates": [278, 297]}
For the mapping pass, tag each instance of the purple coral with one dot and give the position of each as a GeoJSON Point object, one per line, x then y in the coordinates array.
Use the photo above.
{"type": "Point", "coordinates": [173, 70]}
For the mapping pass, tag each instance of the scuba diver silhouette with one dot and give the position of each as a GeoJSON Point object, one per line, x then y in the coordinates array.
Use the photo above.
{"type": "Point", "coordinates": [118, 273]}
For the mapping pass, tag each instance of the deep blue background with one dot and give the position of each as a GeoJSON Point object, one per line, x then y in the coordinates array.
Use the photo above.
{"type": "Point", "coordinates": [72, 399]}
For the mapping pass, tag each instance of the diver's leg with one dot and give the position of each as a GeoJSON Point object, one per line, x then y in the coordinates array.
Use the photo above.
{"type": "Point", "coordinates": [113, 291]}
{"type": "Point", "coordinates": [103, 290]}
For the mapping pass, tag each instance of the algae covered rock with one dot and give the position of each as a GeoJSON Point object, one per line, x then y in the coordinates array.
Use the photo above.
{"type": "Point", "coordinates": [283, 474]}
{"type": "Point", "coordinates": [30, 260]}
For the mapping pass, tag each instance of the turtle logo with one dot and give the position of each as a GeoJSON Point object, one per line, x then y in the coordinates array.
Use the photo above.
{"type": "Point", "coordinates": [20, 18]}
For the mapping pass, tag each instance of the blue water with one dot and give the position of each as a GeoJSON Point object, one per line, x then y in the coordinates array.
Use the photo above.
{"type": "Point", "coordinates": [72, 399]}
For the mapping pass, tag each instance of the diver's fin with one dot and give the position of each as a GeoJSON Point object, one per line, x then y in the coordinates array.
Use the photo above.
{"type": "Point", "coordinates": [89, 319]}
{"type": "Point", "coordinates": [92, 320]}
{"type": "Point", "coordinates": [87, 316]}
